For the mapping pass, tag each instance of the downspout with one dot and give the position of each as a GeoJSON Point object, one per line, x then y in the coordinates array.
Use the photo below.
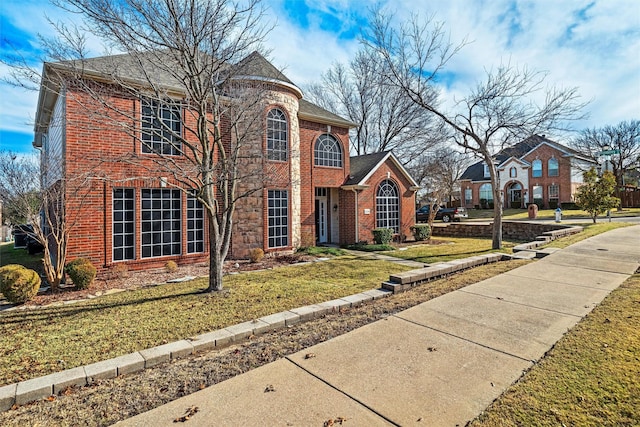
{"type": "Point", "coordinates": [355, 193]}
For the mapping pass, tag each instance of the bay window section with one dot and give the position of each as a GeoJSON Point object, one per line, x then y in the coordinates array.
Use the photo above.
{"type": "Point", "coordinates": [160, 222]}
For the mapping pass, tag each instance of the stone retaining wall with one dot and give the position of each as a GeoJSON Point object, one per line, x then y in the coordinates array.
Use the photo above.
{"type": "Point", "coordinates": [511, 230]}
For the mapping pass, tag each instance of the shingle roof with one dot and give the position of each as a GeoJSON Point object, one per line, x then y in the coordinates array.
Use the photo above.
{"type": "Point", "coordinates": [475, 172]}
{"type": "Point", "coordinates": [313, 112]}
{"type": "Point", "coordinates": [257, 65]}
{"type": "Point", "coordinates": [360, 166]}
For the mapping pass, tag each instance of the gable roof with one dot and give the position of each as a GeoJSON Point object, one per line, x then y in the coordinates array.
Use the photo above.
{"type": "Point", "coordinates": [362, 167]}
{"type": "Point", "coordinates": [137, 70]}
{"type": "Point", "coordinates": [475, 172]}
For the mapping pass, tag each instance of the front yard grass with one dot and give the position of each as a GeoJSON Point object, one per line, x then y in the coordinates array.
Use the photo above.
{"type": "Point", "coordinates": [517, 214]}
{"type": "Point", "coordinates": [591, 377]}
{"type": "Point", "coordinates": [449, 249]}
{"type": "Point", "coordinates": [44, 340]}
{"type": "Point", "coordinates": [589, 230]}
{"type": "Point", "coordinates": [11, 255]}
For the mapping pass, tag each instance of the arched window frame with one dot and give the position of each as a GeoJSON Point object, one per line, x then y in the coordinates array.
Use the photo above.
{"type": "Point", "coordinates": [513, 172]}
{"type": "Point", "coordinates": [277, 135]}
{"type": "Point", "coordinates": [388, 205]}
{"type": "Point", "coordinates": [486, 190]}
{"type": "Point", "coordinates": [552, 167]}
{"type": "Point", "coordinates": [536, 168]}
{"type": "Point", "coordinates": [327, 151]}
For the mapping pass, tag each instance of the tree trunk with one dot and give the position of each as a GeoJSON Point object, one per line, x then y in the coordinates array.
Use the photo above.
{"type": "Point", "coordinates": [215, 261]}
{"type": "Point", "coordinates": [497, 219]}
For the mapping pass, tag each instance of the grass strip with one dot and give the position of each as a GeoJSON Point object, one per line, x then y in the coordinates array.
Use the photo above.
{"type": "Point", "coordinates": [449, 248]}
{"type": "Point", "coordinates": [41, 341]}
{"type": "Point", "coordinates": [591, 377]}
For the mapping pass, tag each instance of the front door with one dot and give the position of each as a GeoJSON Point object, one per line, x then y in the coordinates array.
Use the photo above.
{"type": "Point", "coordinates": [321, 215]}
{"type": "Point", "coordinates": [515, 196]}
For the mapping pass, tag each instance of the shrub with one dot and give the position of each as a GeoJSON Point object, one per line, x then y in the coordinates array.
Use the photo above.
{"type": "Point", "coordinates": [119, 271]}
{"type": "Point", "coordinates": [382, 236]}
{"type": "Point", "coordinates": [421, 232]}
{"type": "Point", "coordinates": [81, 271]}
{"type": "Point", "coordinates": [171, 267]}
{"type": "Point", "coordinates": [18, 284]}
{"type": "Point", "coordinates": [370, 248]}
{"type": "Point", "coordinates": [256, 255]}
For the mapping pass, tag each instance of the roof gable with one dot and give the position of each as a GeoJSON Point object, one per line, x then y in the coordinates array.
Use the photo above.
{"type": "Point", "coordinates": [362, 167]}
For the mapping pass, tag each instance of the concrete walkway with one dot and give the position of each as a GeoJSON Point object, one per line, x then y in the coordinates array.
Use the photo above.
{"type": "Point", "coordinates": [437, 364]}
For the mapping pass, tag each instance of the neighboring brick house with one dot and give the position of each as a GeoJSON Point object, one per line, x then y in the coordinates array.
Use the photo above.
{"type": "Point", "coordinates": [137, 217]}
{"type": "Point", "coordinates": [536, 170]}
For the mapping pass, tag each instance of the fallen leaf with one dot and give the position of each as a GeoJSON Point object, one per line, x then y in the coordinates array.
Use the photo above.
{"type": "Point", "coordinates": [269, 388]}
{"type": "Point", "coordinates": [309, 355]}
{"type": "Point", "coordinates": [187, 416]}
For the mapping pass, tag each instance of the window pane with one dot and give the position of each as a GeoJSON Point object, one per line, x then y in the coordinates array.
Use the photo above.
{"type": "Point", "coordinates": [387, 206]}
{"type": "Point", "coordinates": [161, 212]}
{"type": "Point", "coordinates": [277, 219]}
{"type": "Point", "coordinates": [123, 238]}
{"type": "Point", "coordinates": [195, 229]}
{"type": "Point", "coordinates": [327, 152]}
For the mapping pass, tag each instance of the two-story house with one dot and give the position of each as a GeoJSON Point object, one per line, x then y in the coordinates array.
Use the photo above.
{"type": "Point", "coordinates": [535, 170]}
{"type": "Point", "coordinates": [132, 214]}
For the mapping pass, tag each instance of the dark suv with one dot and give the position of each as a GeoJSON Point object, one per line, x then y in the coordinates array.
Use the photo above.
{"type": "Point", "coordinates": [445, 214]}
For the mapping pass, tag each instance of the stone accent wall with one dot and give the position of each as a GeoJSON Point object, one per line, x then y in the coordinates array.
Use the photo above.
{"type": "Point", "coordinates": [511, 230]}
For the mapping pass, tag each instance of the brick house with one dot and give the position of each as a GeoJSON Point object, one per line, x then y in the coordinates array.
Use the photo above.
{"type": "Point", "coordinates": [535, 170]}
{"type": "Point", "coordinates": [319, 194]}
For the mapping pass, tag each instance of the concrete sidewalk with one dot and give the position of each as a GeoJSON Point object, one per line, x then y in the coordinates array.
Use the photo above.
{"type": "Point", "coordinates": [439, 363]}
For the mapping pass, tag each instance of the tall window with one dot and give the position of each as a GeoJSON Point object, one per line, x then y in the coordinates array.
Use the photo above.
{"type": "Point", "coordinates": [486, 193]}
{"type": "Point", "coordinates": [160, 225]}
{"type": "Point", "coordinates": [536, 167]}
{"type": "Point", "coordinates": [195, 225]}
{"type": "Point", "coordinates": [388, 206]}
{"type": "Point", "coordinates": [327, 152]}
{"type": "Point", "coordinates": [485, 170]}
{"type": "Point", "coordinates": [554, 194]}
{"type": "Point", "coordinates": [278, 218]}
{"type": "Point", "coordinates": [277, 141]}
{"type": "Point", "coordinates": [513, 172]}
{"type": "Point", "coordinates": [123, 224]}
{"type": "Point", "coordinates": [468, 196]}
{"type": "Point", "coordinates": [161, 127]}
{"type": "Point", "coordinates": [537, 194]}
{"type": "Point", "coordinates": [552, 167]}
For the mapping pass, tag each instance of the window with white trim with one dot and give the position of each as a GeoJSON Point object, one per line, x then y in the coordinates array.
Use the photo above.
{"type": "Point", "coordinates": [552, 167]}
{"type": "Point", "coordinates": [123, 224]}
{"type": "Point", "coordinates": [327, 152]}
{"type": "Point", "coordinates": [513, 172]}
{"type": "Point", "coordinates": [388, 206]}
{"type": "Point", "coordinates": [537, 194]}
{"type": "Point", "coordinates": [536, 168]}
{"type": "Point", "coordinates": [277, 135]}
{"type": "Point", "coordinates": [278, 218]}
{"type": "Point", "coordinates": [486, 192]}
{"type": "Point", "coordinates": [195, 225]}
{"type": "Point", "coordinates": [160, 222]}
{"type": "Point", "coordinates": [554, 193]}
{"type": "Point", "coordinates": [161, 127]}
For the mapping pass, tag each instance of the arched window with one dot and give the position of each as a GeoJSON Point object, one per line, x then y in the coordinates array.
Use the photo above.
{"type": "Point", "coordinates": [277, 135]}
{"type": "Point", "coordinates": [513, 172]}
{"type": "Point", "coordinates": [552, 167]}
{"type": "Point", "coordinates": [536, 167]}
{"type": "Point", "coordinates": [388, 206]}
{"type": "Point", "coordinates": [327, 152]}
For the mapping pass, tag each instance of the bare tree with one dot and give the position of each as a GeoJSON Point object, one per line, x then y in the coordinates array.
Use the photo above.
{"type": "Point", "coordinates": [623, 138]}
{"type": "Point", "coordinates": [386, 119]}
{"type": "Point", "coordinates": [498, 111]}
{"type": "Point", "coordinates": [184, 57]}
{"type": "Point", "coordinates": [43, 208]}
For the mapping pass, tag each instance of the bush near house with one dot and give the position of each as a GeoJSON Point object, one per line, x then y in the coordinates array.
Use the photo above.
{"type": "Point", "coordinates": [18, 284]}
{"type": "Point", "coordinates": [256, 255]}
{"type": "Point", "coordinates": [382, 236]}
{"type": "Point", "coordinates": [421, 232]}
{"type": "Point", "coordinates": [171, 267]}
{"type": "Point", "coordinates": [81, 271]}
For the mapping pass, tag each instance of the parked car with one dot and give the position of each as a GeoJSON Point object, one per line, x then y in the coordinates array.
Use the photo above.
{"type": "Point", "coordinates": [23, 238]}
{"type": "Point", "coordinates": [445, 214]}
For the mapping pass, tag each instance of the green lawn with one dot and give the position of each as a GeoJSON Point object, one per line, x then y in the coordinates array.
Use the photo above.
{"type": "Point", "coordinates": [9, 255]}
{"type": "Point", "coordinates": [589, 230]}
{"type": "Point", "coordinates": [591, 377]}
{"type": "Point", "coordinates": [40, 341]}
{"type": "Point", "coordinates": [451, 248]}
{"type": "Point", "coordinates": [516, 214]}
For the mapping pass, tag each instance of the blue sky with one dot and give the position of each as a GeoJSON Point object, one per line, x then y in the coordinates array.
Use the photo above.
{"type": "Point", "coordinates": [591, 44]}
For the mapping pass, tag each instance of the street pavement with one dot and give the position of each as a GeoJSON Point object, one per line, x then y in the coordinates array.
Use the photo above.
{"type": "Point", "coordinates": [440, 363]}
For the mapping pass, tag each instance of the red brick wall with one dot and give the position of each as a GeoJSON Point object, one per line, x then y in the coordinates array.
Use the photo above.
{"type": "Point", "coordinates": [563, 180]}
{"type": "Point", "coordinates": [367, 200]}
{"type": "Point", "coordinates": [312, 176]}
{"type": "Point", "coordinates": [96, 146]}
